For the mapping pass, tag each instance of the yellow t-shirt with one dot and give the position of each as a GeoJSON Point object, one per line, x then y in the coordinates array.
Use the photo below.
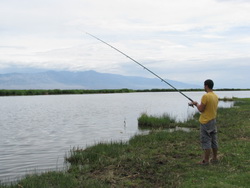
{"type": "Point", "coordinates": [210, 100]}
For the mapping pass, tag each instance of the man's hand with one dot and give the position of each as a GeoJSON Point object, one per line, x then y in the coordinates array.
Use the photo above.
{"type": "Point", "coordinates": [195, 103]}
{"type": "Point", "coordinates": [200, 107]}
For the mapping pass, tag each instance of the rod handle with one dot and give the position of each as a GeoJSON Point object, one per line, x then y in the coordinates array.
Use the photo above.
{"type": "Point", "coordinates": [191, 104]}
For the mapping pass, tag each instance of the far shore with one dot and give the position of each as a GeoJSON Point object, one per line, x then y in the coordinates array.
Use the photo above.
{"type": "Point", "coordinates": [24, 92]}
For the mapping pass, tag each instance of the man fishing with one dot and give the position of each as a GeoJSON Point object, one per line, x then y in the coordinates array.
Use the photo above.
{"type": "Point", "coordinates": [208, 129]}
{"type": "Point", "coordinates": [208, 109]}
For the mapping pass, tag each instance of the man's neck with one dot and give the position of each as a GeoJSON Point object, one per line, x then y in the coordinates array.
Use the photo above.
{"type": "Point", "coordinates": [209, 90]}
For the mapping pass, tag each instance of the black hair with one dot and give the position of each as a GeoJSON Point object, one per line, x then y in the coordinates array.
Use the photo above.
{"type": "Point", "coordinates": [209, 83]}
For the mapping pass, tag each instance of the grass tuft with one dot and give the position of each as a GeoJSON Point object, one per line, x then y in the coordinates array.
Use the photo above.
{"type": "Point", "coordinates": [151, 122]}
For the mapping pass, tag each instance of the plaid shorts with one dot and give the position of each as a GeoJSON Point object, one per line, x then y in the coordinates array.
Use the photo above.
{"type": "Point", "coordinates": [208, 135]}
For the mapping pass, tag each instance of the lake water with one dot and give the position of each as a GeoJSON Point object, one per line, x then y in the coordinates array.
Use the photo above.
{"type": "Point", "coordinates": [36, 132]}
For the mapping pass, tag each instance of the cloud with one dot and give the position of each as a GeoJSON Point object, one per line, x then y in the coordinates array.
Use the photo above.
{"type": "Point", "coordinates": [167, 36]}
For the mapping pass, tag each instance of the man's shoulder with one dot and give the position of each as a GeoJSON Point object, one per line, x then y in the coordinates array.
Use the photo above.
{"type": "Point", "coordinates": [207, 96]}
{"type": "Point", "coordinates": [214, 94]}
{"type": "Point", "coordinates": [204, 98]}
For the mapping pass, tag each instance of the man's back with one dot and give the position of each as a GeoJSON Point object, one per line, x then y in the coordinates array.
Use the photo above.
{"type": "Point", "coordinates": [210, 100]}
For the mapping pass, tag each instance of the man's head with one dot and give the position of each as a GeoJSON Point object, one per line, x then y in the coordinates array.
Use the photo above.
{"type": "Point", "coordinates": [209, 83]}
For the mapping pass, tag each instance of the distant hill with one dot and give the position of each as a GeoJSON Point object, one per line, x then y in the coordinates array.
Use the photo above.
{"type": "Point", "coordinates": [83, 80]}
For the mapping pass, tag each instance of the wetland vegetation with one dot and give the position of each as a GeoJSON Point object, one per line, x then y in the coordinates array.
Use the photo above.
{"type": "Point", "coordinates": [159, 158]}
{"type": "Point", "coordinates": [15, 92]}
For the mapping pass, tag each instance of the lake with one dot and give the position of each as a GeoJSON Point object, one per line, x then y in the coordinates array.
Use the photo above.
{"type": "Point", "coordinates": [36, 132]}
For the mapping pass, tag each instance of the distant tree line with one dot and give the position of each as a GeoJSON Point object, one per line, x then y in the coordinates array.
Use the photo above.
{"type": "Point", "coordinates": [14, 92]}
{"type": "Point", "coordinates": [59, 91]}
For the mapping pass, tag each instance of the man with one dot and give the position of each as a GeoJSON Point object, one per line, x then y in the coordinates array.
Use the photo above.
{"type": "Point", "coordinates": [208, 129]}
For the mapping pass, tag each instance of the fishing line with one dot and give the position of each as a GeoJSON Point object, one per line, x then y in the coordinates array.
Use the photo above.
{"type": "Point", "coordinates": [141, 66]}
{"type": "Point", "coordinates": [190, 112]}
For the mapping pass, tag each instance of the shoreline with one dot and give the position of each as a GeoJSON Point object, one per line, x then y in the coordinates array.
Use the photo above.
{"type": "Point", "coordinates": [30, 92]}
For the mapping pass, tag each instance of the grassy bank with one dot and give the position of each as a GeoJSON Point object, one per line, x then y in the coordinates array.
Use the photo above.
{"type": "Point", "coordinates": [161, 158]}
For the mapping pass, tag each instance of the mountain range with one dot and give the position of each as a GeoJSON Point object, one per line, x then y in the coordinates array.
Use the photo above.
{"type": "Point", "coordinates": [83, 80]}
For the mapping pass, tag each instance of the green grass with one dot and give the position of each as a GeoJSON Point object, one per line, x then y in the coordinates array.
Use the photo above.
{"type": "Point", "coordinates": [46, 180]}
{"type": "Point", "coordinates": [151, 122]}
{"type": "Point", "coordinates": [165, 121]}
{"type": "Point", "coordinates": [161, 158]}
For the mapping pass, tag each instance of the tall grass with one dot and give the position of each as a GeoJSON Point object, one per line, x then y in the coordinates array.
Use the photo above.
{"type": "Point", "coordinates": [152, 122]}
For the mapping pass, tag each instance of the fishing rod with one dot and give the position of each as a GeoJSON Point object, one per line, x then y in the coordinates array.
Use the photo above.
{"type": "Point", "coordinates": [141, 66]}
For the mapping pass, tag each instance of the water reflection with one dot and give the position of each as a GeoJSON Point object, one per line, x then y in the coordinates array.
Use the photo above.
{"type": "Point", "coordinates": [226, 104]}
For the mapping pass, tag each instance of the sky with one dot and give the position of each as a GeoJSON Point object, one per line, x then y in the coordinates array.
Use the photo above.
{"type": "Point", "coordinates": [183, 40]}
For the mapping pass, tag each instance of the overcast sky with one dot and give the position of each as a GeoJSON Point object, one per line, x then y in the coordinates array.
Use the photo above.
{"type": "Point", "coordinates": [183, 40]}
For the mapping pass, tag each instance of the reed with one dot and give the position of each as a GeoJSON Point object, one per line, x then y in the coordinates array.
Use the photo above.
{"type": "Point", "coordinates": [146, 121]}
